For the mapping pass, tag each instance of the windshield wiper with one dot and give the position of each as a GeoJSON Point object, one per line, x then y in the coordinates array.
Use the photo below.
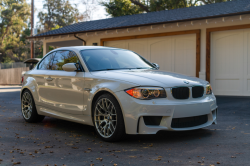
{"type": "Point", "coordinates": [112, 69]}
{"type": "Point", "coordinates": [123, 68]}
{"type": "Point", "coordinates": [143, 68]}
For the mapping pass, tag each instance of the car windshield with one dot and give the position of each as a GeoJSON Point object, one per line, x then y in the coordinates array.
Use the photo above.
{"type": "Point", "coordinates": [114, 59]}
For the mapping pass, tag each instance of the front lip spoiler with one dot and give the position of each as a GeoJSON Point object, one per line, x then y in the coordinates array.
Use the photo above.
{"type": "Point", "coordinates": [149, 129]}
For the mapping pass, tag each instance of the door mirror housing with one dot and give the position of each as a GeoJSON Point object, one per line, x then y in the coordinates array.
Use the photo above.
{"type": "Point", "coordinates": [156, 66]}
{"type": "Point", "coordinates": [69, 67]}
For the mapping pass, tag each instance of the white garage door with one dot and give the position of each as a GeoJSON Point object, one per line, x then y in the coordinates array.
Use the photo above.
{"type": "Point", "coordinates": [230, 62]}
{"type": "Point", "coordinates": [172, 53]}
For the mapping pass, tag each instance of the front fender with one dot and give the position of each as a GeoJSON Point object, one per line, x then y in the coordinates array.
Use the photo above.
{"type": "Point", "coordinates": [97, 85]}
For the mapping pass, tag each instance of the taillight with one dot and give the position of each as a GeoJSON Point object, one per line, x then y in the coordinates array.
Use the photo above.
{"type": "Point", "coordinates": [22, 80]}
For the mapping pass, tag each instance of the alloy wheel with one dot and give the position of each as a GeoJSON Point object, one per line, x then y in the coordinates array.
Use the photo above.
{"type": "Point", "coordinates": [26, 105]}
{"type": "Point", "coordinates": [105, 117]}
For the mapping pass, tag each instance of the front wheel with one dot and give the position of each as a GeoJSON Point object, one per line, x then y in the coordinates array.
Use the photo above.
{"type": "Point", "coordinates": [29, 111]}
{"type": "Point", "coordinates": [108, 118]}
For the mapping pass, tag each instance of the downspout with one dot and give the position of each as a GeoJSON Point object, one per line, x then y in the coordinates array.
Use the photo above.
{"type": "Point", "coordinates": [80, 39]}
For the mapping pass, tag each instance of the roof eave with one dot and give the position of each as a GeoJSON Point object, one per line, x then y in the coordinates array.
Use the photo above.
{"type": "Point", "coordinates": [200, 18]}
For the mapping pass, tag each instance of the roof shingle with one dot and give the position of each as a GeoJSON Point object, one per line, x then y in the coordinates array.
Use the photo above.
{"type": "Point", "coordinates": [165, 16]}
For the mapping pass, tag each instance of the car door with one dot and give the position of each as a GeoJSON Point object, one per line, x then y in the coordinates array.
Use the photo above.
{"type": "Point", "coordinates": [40, 75]}
{"type": "Point", "coordinates": [64, 89]}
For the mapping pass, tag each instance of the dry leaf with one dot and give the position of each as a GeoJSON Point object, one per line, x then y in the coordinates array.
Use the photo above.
{"type": "Point", "coordinates": [218, 162]}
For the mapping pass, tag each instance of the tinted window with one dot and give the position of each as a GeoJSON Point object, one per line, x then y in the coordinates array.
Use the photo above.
{"type": "Point", "coordinates": [61, 58]}
{"type": "Point", "coordinates": [114, 60]}
{"type": "Point", "coordinates": [45, 64]}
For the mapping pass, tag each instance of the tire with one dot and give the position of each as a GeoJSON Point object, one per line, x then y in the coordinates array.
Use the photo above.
{"type": "Point", "coordinates": [108, 119]}
{"type": "Point", "coordinates": [28, 108]}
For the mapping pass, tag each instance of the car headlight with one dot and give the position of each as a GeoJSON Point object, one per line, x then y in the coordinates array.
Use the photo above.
{"type": "Point", "coordinates": [208, 89]}
{"type": "Point", "coordinates": [147, 92]}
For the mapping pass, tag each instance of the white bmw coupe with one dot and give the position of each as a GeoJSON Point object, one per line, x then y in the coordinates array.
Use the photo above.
{"type": "Point", "coordinates": [115, 90]}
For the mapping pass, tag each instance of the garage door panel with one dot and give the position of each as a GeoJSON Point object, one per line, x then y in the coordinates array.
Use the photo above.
{"type": "Point", "coordinates": [161, 53]}
{"type": "Point", "coordinates": [172, 53]}
{"type": "Point", "coordinates": [227, 63]}
{"type": "Point", "coordinates": [185, 56]}
{"type": "Point", "coordinates": [248, 85]}
{"type": "Point", "coordinates": [227, 87]}
{"type": "Point", "coordinates": [139, 47]}
{"type": "Point", "coordinates": [118, 45]}
{"type": "Point", "coordinates": [248, 53]}
{"type": "Point", "coordinates": [226, 55]}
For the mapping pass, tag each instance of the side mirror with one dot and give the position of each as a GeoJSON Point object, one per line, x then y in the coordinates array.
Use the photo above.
{"type": "Point", "coordinates": [69, 67]}
{"type": "Point", "coordinates": [156, 66]}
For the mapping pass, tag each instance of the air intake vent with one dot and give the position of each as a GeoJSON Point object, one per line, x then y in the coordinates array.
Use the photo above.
{"type": "Point", "coordinates": [152, 120]}
{"type": "Point", "coordinates": [180, 92]}
{"type": "Point", "coordinates": [189, 122]}
{"type": "Point", "coordinates": [197, 91]}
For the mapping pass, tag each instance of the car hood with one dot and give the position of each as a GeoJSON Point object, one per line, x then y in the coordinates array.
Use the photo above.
{"type": "Point", "coordinates": [151, 78]}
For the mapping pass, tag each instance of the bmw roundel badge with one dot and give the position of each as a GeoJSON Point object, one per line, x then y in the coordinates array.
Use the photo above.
{"type": "Point", "coordinates": [186, 82]}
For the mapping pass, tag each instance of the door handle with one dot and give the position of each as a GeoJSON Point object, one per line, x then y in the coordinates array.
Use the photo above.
{"type": "Point", "coordinates": [87, 89]}
{"type": "Point", "coordinates": [49, 79]}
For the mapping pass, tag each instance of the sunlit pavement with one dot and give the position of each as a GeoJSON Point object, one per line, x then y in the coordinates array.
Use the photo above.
{"type": "Point", "coordinates": [58, 142]}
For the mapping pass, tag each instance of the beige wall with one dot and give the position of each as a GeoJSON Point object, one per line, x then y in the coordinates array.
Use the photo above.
{"type": "Point", "coordinates": [201, 24]}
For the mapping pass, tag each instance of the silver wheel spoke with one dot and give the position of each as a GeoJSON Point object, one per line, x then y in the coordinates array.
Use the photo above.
{"type": "Point", "coordinates": [112, 126]}
{"type": "Point", "coordinates": [105, 117]}
{"type": "Point", "coordinates": [26, 105]}
{"type": "Point", "coordinates": [100, 113]}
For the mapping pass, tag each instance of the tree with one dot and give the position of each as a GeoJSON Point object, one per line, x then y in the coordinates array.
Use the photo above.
{"type": "Point", "coordinates": [128, 7]}
{"type": "Point", "coordinates": [58, 13]}
{"type": "Point", "coordinates": [90, 6]}
{"type": "Point", "coordinates": [13, 16]}
{"type": "Point", "coordinates": [121, 7]}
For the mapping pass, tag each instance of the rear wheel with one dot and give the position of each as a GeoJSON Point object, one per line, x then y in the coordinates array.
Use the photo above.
{"type": "Point", "coordinates": [29, 111]}
{"type": "Point", "coordinates": [108, 118]}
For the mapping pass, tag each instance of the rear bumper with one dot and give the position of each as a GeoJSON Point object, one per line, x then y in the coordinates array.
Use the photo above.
{"type": "Point", "coordinates": [134, 110]}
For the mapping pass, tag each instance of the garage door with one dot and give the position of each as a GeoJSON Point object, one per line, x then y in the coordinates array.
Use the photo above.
{"type": "Point", "coordinates": [230, 62]}
{"type": "Point", "coordinates": [172, 53]}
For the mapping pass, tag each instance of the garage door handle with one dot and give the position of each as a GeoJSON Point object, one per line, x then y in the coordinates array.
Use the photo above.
{"type": "Point", "coordinates": [49, 79]}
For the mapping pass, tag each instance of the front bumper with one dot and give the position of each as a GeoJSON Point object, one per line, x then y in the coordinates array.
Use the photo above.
{"type": "Point", "coordinates": [134, 111]}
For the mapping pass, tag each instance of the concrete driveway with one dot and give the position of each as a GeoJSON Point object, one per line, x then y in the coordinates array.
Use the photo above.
{"type": "Point", "coordinates": [58, 142]}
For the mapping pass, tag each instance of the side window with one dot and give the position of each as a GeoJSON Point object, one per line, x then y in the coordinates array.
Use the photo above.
{"type": "Point", "coordinates": [45, 64]}
{"type": "Point", "coordinates": [63, 57]}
